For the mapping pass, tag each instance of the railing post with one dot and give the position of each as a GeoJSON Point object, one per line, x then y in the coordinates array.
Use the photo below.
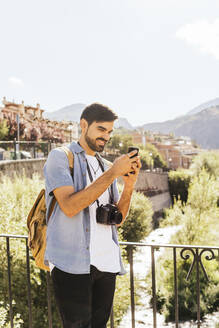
{"type": "Point", "coordinates": [28, 285]}
{"type": "Point", "coordinates": [15, 149]}
{"type": "Point", "coordinates": [34, 150]}
{"type": "Point", "coordinates": [132, 286]}
{"type": "Point", "coordinates": [154, 297]}
{"type": "Point", "coordinates": [198, 288]}
{"type": "Point", "coordinates": [9, 283]}
{"type": "Point", "coordinates": [176, 289]}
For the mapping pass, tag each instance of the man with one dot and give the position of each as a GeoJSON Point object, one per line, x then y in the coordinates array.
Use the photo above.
{"type": "Point", "coordinates": [83, 253]}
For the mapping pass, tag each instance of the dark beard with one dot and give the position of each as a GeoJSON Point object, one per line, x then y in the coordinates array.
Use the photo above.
{"type": "Point", "coordinates": [92, 145]}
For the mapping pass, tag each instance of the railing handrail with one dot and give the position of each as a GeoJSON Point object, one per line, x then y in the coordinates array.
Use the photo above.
{"type": "Point", "coordinates": [126, 243]}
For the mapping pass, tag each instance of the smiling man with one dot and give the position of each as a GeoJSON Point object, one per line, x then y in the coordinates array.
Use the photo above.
{"type": "Point", "coordinates": [82, 246]}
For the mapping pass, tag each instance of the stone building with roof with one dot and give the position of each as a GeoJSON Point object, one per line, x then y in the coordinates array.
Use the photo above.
{"type": "Point", "coordinates": [32, 117]}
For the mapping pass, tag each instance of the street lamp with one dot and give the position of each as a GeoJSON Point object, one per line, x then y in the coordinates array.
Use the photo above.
{"type": "Point", "coordinates": [170, 161]}
{"type": "Point", "coordinates": [18, 132]}
{"type": "Point", "coordinates": [151, 161]}
{"type": "Point", "coordinates": [70, 129]}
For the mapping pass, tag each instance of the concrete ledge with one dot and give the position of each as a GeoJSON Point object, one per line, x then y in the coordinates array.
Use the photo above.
{"type": "Point", "coordinates": [22, 166]}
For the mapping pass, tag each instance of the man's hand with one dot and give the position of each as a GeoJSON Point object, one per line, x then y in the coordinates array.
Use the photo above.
{"type": "Point", "coordinates": [129, 183]}
{"type": "Point", "coordinates": [131, 178]}
{"type": "Point", "coordinates": [125, 164]}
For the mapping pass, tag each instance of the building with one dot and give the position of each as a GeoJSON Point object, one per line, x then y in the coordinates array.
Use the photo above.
{"type": "Point", "coordinates": [176, 151]}
{"type": "Point", "coordinates": [37, 127]}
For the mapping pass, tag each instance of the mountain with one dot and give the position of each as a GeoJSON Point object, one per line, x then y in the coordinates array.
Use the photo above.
{"type": "Point", "coordinates": [73, 113]}
{"type": "Point", "coordinates": [203, 127]}
{"type": "Point", "coordinates": [68, 113]}
{"type": "Point", "coordinates": [123, 123]}
{"type": "Point", "coordinates": [206, 105]}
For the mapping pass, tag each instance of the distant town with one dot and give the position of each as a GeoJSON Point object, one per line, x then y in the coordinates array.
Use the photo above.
{"type": "Point", "coordinates": [176, 151]}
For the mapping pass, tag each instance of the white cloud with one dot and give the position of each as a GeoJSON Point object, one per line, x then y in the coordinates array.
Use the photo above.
{"type": "Point", "coordinates": [202, 34]}
{"type": "Point", "coordinates": [15, 81]}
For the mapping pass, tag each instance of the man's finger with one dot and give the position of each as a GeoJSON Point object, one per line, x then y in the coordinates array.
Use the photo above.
{"type": "Point", "coordinates": [132, 153]}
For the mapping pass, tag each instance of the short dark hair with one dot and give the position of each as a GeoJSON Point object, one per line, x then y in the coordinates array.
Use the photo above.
{"type": "Point", "coordinates": [98, 113]}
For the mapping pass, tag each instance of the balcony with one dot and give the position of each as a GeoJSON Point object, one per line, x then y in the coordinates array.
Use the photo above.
{"type": "Point", "coordinates": [184, 252]}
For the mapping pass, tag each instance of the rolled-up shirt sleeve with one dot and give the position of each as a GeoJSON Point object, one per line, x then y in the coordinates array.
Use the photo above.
{"type": "Point", "coordinates": [56, 171]}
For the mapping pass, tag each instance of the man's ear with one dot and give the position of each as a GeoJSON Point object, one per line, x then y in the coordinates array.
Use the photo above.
{"type": "Point", "coordinates": [83, 124]}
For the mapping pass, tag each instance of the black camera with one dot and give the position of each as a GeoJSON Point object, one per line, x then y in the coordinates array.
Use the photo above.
{"type": "Point", "coordinates": [108, 214]}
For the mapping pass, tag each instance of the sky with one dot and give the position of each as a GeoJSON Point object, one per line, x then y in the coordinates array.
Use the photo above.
{"type": "Point", "coordinates": [150, 61]}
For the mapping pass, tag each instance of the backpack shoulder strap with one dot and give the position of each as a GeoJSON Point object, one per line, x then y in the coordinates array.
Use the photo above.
{"type": "Point", "coordinates": [70, 156]}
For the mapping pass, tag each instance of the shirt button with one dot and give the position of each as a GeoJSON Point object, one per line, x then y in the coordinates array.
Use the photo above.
{"type": "Point", "coordinates": [87, 248]}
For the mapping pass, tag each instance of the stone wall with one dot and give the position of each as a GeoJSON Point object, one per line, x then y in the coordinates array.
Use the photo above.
{"type": "Point", "coordinates": [154, 185]}
{"type": "Point", "coordinates": [19, 167]}
{"type": "Point", "coordinates": [152, 181]}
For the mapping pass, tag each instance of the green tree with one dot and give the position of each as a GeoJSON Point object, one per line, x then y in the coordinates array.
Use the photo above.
{"type": "Point", "coordinates": [138, 223]}
{"type": "Point", "coordinates": [3, 129]}
{"type": "Point", "coordinates": [120, 142]}
{"type": "Point", "coordinates": [199, 223]}
{"type": "Point", "coordinates": [179, 184]}
{"type": "Point", "coordinates": [157, 157]}
{"type": "Point", "coordinates": [207, 160]}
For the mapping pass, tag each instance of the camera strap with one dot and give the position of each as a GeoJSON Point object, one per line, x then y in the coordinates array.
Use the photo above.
{"type": "Point", "coordinates": [91, 179]}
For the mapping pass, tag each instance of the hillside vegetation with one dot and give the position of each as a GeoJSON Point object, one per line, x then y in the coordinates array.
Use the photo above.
{"type": "Point", "coordinates": [198, 217]}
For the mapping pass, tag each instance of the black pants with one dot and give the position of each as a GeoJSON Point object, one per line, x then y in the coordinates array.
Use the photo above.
{"type": "Point", "coordinates": [84, 300]}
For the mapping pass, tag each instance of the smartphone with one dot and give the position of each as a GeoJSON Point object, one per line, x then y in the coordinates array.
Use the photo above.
{"type": "Point", "coordinates": [133, 148]}
{"type": "Point", "coordinates": [129, 151]}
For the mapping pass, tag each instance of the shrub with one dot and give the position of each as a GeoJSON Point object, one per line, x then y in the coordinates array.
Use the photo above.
{"type": "Point", "coordinates": [199, 220]}
{"type": "Point", "coordinates": [156, 155]}
{"type": "Point", "coordinates": [16, 199]}
{"type": "Point", "coordinates": [138, 223]}
{"type": "Point", "coordinates": [208, 161]}
{"type": "Point", "coordinates": [187, 290]}
{"type": "Point", "coordinates": [147, 161]}
{"type": "Point", "coordinates": [150, 157]}
{"type": "Point", "coordinates": [178, 184]}
{"type": "Point", "coordinates": [3, 129]}
{"type": "Point", "coordinates": [120, 142]}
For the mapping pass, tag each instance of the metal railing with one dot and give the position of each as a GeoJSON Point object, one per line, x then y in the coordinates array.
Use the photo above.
{"type": "Point", "coordinates": [186, 252]}
{"type": "Point", "coordinates": [24, 149]}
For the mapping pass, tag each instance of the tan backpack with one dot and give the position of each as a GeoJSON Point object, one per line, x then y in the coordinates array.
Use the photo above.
{"type": "Point", "coordinates": [36, 220]}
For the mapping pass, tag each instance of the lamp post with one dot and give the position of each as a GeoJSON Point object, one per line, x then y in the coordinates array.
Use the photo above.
{"type": "Point", "coordinates": [18, 133]}
{"type": "Point", "coordinates": [170, 161]}
{"type": "Point", "coordinates": [70, 129]}
{"type": "Point", "coordinates": [151, 161]}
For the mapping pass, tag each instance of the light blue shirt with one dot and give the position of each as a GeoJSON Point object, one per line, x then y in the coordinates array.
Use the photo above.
{"type": "Point", "coordinates": [68, 239]}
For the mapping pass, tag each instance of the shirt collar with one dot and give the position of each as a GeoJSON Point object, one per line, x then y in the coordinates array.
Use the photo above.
{"type": "Point", "coordinates": [75, 147]}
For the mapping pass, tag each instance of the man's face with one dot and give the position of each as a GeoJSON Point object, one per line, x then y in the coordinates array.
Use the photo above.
{"type": "Point", "coordinates": [98, 134]}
